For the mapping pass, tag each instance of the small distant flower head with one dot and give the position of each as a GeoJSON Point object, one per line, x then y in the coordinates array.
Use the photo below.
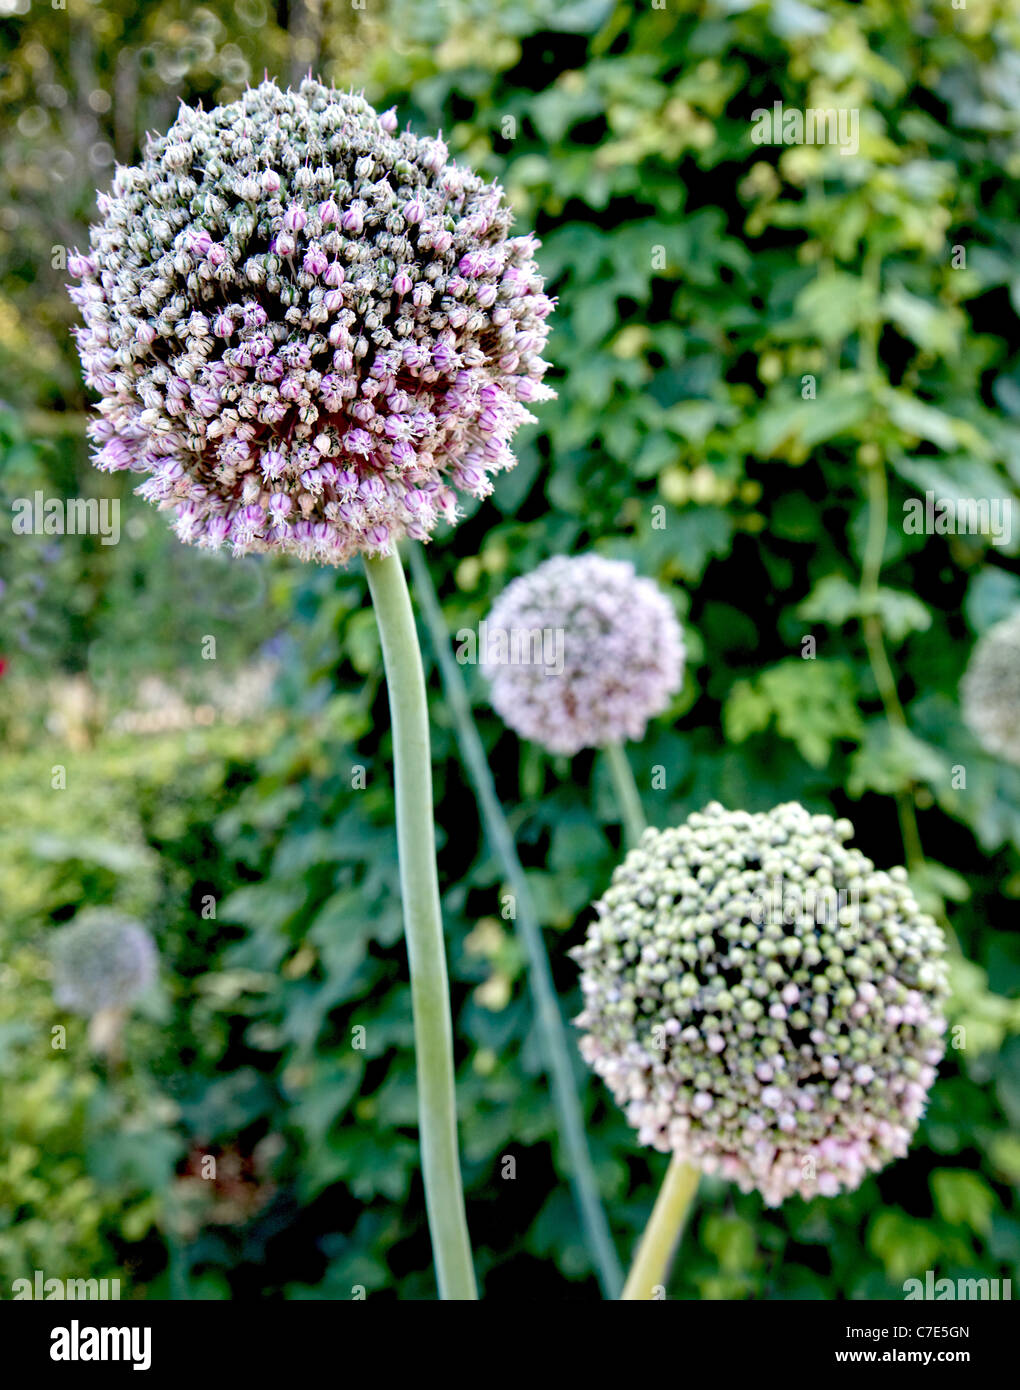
{"type": "Point", "coordinates": [764, 1002]}
{"type": "Point", "coordinates": [990, 690]}
{"type": "Point", "coordinates": [621, 647]}
{"type": "Point", "coordinates": [290, 268]}
{"type": "Point", "coordinates": [102, 960]}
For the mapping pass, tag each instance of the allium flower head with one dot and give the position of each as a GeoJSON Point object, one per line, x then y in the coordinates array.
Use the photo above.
{"type": "Point", "coordinates": [763, 1001]}
{"type": "Point", "coordinates": [288, 299]}
{"type": "Point", "coordinates": [102, 961]}
{"type": "Point", "coordinates": [582, 652]}
{"type": "Point", "coordinates": [990, 690]}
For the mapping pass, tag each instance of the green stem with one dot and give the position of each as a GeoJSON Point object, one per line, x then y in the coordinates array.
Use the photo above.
{"type": "Point", "coordinates": [878, 658]}
{"type": "Point", "coordinates": [423, 924]}
{"type": "Point", "coordinates": [662, 1234]}
{"type": "Point", "coordinates": [553, 1033]}
{"type": "Point", "coordinates": [627, 793]}
{"type": "Point", "coordinates": [874, 550]}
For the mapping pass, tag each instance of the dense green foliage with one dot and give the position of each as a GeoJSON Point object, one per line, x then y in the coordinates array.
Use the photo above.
{"type": "Point", "coordinates": [761, 354]}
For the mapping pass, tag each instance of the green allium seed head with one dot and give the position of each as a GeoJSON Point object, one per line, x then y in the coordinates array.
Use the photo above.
{"type": "Point", "coordinates": [763, 1001]}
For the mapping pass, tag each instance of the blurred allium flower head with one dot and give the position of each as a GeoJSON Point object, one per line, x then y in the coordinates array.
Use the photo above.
{"type": "Point", "coordinates": [102, 960]}
{"type": "Point", "coordinates": [622, 653]}
{"type": "Point", "coordinates": [788, 1051]}
{"type": "Point", "coordinates": [307, 329]}
{"type": "Point", "coordinates": [990, 690]}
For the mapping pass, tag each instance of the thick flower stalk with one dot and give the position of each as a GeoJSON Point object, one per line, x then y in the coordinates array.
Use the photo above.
{"type": "Point", "coordinates": [309, 330]}
{"type": "Point", "coordinates": [581, 653]}
{"type": "Point", "coordinates": [763, 1002]}
{"type": "Point", "coordinates": [990, 690]}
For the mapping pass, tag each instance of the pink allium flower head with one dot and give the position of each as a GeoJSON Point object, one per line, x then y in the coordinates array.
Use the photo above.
{"type": "Point", "coordinates": [210, 338]}
{"type": "Point", "coordinates": [621, 647]}
{"type": "Point", "coordinates": [705, 928]}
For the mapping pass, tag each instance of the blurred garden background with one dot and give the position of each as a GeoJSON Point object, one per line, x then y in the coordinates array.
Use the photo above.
{"type": "Point", "coordinates": [761, 353]}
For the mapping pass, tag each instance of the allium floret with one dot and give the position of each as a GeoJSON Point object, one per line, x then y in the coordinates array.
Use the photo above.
{"type": "Point", "coordinates": [307, 330]}
{"type": "Point", "coordinates": [990, 690]}
{"type": "Point", "coordinates": [102, 960]}
{"type": "Point", "coordinates": [618, 648]}
{"type": "Point", "coordinates": [786, 1050]}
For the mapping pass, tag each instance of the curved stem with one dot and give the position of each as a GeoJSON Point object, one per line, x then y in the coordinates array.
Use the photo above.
{"type": "Point", "coordinates": [558, 1052]}
{"type": "Point", "coordinates": [654, 1256]}
{"type": "Point", "coordinates": [423, 924]}
{"type": "Point", "coordinates": [627, 793]}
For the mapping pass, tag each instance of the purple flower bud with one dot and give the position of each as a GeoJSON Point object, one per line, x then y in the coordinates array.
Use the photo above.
{"type": "Point", "coordinates": [358, 442]}
{"type": "Point", "coordinates": [273, 464]}
{"type": "Point", "coordinates": [315, 262]}
{"type": "Point", "coordinates": [353, 219]}
{"type": "Point", "coordinates": [217, 530]}
{"type": "Point", "coordinates": [199, 242]}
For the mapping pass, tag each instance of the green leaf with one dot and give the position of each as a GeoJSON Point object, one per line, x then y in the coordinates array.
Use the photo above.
{"type": "Point", "coordinates": [905, 1245]}
{"type": "Point", "coordinates": [891, 759]}
{"type": "Point", "coordinates": [834, 600]}
{"type": "Point", "coordinates": [992, 594]}
{"type": "Point", "coordinates": [929, 325]}
{"type": "Point", "coordinates": [731, 1240]}
{"type": "Point", "coordinates": [833, 305]}
{"type": "Point", "coordinates": [923, 421]}
{"type": "Point", "coordinates": [963, 1199]}
{"type": "Point", "coordinates": [812, 702]}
